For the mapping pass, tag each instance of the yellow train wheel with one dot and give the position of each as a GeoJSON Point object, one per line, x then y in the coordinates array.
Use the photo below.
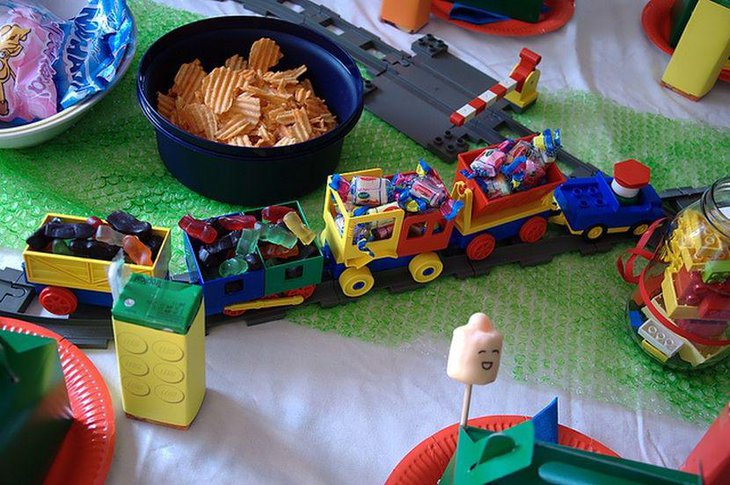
{"type": "Point", "coordinates": [594, 233]}
{"type": "Point", "coordinates": [356, 281]}
{"type": "Point", "coordinates": [425, 267]}
{"type": "Point", "coordinates": [640, 228]}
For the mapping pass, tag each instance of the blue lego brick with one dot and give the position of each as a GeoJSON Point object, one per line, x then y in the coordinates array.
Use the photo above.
{"type": "Point", "coordinates": [546, 423]}
{"type": "Point", "coordinates": [589, 201]}
{"type": "Point", "coordinates": [500, 233]}
{"type": "Point", "coordinates": [636, 319]}
{"type": "Point", "coordinates": [222, 292]}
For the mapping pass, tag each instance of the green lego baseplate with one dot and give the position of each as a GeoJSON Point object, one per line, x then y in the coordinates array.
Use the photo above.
{"type": "Point", "coordinates": [564, 323]}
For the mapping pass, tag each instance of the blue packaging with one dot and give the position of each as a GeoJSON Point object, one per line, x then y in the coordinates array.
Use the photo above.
{"type": "Point", "coordinates": [92, 50]}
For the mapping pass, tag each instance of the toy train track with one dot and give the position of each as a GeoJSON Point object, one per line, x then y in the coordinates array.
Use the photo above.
{"type": "Point", "coordinates": [431, 82]}
{"type": "Point", "coordinates": [90, 326]}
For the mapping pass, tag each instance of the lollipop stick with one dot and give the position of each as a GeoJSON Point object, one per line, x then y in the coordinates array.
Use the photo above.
{"type": "Point", "coordinates": [465, 405]}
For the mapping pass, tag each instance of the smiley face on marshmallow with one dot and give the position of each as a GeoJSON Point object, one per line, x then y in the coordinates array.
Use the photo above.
{"type": "Point", "coordinates": [475, 351]}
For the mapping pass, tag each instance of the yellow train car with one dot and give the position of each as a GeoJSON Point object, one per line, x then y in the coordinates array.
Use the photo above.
{"type": "Point", "coordinates": [72, 279]}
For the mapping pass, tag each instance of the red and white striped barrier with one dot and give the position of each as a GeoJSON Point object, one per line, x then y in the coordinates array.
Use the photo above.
{"type": "Point", "coordinates": [528, 61]}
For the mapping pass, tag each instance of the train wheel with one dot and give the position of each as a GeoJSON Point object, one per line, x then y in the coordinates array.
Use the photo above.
{"type": "Point", "coordinates": [304, 292]}
{"type": "Point", "coordinates": [481, 247]}
{"type": "Point", "coordinates": [356, 281]}
{"type": "Point", "coordinates": [533, 229]}
{"type": "Point", "coordinates": [57, 300]}
{"type": "Point", "coordinates": [233, 313]}
{"type": "Point", "coordinates": [425, 267]}
{"type": "Point", "coordinates": [640, 228]}
{"type": "Point", "coordinates": [594, 233]}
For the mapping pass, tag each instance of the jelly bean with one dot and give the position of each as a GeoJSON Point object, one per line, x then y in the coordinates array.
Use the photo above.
{"type": "Point", "coordinates": [59, 246]}
{"type": "Point", "coordinates": [275, 213]}
{"type": "Point", "coordinates": [108, 235]}
{"type": "Point", "coordinates": [248, 241]}
{"type": "Point", "coordinates": [269, 251]}
{"type": "Point", "coordinates": [137, 251]}
{"type": "Point", "coordinates": [232, 267]}
{"type": "Point", "coordinates": [236, 222]}
{"type": "Point", "coordinates": [65, 230]}
{"type": "Point", "coordinates": [197, 229]}
{"type": "Point", "coordinates": [295, 224]}
{"type": "Point", "coordinates": [276, 234]}
{"type": "Point", "coordinates": [38, 241]}
{"type": "Point", "coordinates": [128, 224]}
{"type": "Point", "coordinates": [93, 249]}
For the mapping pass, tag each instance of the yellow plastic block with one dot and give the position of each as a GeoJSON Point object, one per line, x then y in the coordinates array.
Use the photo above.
{"type": "Point", "coordinates": [653, 351]}
{"type": "Point", "coordinates": [162, 373]}
{"type": "Point", "coordinates": [529, 93]}
{"type": "Point", "coordinates": [343, 249]}
{"type": "Point", "coordinates": [85, 273]}
{"type": "Point", "coordinates": [702, 51]}
{"type": "Point", "coordinates": [409, 15]}
{"type": "Point", "coordinates": [669, 295]}
{"type": "Point", "coordinates": [266, 303]}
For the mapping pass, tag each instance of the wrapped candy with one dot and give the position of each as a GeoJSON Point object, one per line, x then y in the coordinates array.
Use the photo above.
{"type": "Point", "coordinates": [371, 191]}
{"type": "Point", "coordinates": [488, 163]}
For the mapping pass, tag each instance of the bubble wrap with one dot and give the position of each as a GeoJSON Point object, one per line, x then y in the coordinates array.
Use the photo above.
{"type": "Point", "coordinates": [564, 322]}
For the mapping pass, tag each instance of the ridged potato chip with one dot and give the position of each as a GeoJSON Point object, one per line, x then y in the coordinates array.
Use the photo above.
{"type": "Point", "coordinates": [264, 55]}
{"type": "Point", "coordinates": [187, 80]}
{"type": "Point", "coordinates": [235, 62]}
{"type": "Point", "coordinates": [219, 88]}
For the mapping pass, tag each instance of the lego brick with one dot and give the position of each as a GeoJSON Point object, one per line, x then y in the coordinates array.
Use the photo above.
{"type": "Point", "coordinates": [660, 337]}
{"type": "Point", "coordinates": [711, 457]}
{"type": "Point", "coordinates": [636, 319]}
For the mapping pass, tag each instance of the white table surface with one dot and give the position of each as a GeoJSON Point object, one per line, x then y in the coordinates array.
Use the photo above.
{"type": "Point", "coordinates": [287, 404]}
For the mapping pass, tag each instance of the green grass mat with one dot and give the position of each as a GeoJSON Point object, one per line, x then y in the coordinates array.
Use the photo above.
{"type": "Point", "coordinates": [564, 322]}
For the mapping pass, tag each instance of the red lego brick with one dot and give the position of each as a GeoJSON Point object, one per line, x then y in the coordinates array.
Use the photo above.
{"type": "Point", "coordinates": [715, 306]}
{"type": "Point", "coordinates": [631, 174]}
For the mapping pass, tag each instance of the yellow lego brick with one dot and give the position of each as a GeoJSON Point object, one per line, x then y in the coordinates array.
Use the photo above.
{"type": "Point", "coordinates": [85, 273]}
{"type": "Point", "coordinates": [687, 352]}
{"type": "Point", "coordinates": [162, 373]}
{"type": "Point", "coordinates": [669, 296]}
{"type": "Point", "coordinates": [653, 351]}
{"type": "Point", "coordinates": [702, 51]}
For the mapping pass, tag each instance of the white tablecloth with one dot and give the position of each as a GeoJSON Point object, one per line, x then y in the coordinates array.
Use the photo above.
{"type": "Point", "coordinates": [287, 404]}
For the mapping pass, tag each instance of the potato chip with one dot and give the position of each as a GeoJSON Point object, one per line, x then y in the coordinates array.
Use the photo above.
{"type": "Point", "coordinates": [165, 105]}
{"type": "Point", "coordinates": [202, 119]}
{"type": "Point", "coordinates": [235, 62]}
{"type": "Point", "coordinates": [301, 129]}
{"type": "Point", "coordinates": [287, 140]}
{"type": "Point", "coordinates": [234, 127]}
{"type": "Point", "coordinates": [219, 88]}
{"type": "Point", "coordinates": [247, 107]}
{"type": "Point", "coordinates": [264, 54]}
{"type": "Point", "coordinates": [187, 80]}
{"type": "Point", "coordinates": [282, 78]}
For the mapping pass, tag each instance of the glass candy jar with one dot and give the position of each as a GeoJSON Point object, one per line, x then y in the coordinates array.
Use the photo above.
{"type": "Point", "coordinates": [679, 312]}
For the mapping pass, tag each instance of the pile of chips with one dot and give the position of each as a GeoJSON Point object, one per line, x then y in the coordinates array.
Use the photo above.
{"type": "Point", "coordinates": [415, 192]}
{"type": "Point", "coordinates": [244, 103]}
{"type": "Point", "coordinates": [514, 165]}
{"type": "Point", "coordinates": [48, 64]}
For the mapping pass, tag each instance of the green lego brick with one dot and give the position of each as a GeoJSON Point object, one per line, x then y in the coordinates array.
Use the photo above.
{"type": "Point", "coordinates": [680, 14]}
{"type": "Point", "coordinates": [35, 413]}
{"type": "Point", "coordinates": [290, 275]}
{"type": "Point", "coordinates": [525, 10]}
{"type": "Point", "coordinates": [159, 304]}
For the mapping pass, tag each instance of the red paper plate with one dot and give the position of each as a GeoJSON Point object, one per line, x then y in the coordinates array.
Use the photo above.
{"type": "Point", "coordinates": [425, 463]}
{"type": "Point", "coordinates": [560, 12]}
{"type": "Point", "coordinates": [656, 20]}
{"type": "Point", "coordinates": [86, 452]}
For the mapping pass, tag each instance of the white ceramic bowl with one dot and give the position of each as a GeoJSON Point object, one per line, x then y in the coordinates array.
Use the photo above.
{"type": "Point", "coordinates": [43, 130]}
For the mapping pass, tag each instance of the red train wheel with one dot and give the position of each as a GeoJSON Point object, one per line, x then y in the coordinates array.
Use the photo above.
{"type": "Point", "coordinates": [233, 313]}
{"type": "Point", "coordinates": [57, 300]}
{"type": "Point", "coordinates": [533, 229]}
{"type": "Point", "coordinates": [481, 247]}
{"type": "Point", "coordinates": [304, 292]}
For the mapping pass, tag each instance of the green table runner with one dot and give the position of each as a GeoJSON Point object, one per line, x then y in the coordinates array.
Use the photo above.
{"type": "Point", "coordinates": [564, 322]}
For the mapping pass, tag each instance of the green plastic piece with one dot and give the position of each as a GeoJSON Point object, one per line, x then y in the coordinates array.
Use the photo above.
{"type": "Point", "coordinates": [525, 10]}
{"type": "Point", "coordinates": [483, 456]}
{"type": "Point", "coordinates": [159, 304]}
{"type": "Point", "coordinates": [290, 275]}
{"type": "Point", "coordinates": [232, 267]}
{"type": "Point", "coordinates": [716, 271]}
{"type": "Point", "coordinates": [513, 456]}
{"type": "Point", "coordinates": [680, 14]}
{"type": "Point", "coordinates": [59, 246]}
{"type": "Point", "coordinates": [35, 413]}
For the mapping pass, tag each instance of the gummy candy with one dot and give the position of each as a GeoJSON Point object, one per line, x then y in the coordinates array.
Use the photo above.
{"type": "Point", "coordinates": [108, 235]}
{"type": "Point", "coordinates": [254, 263]}
{"type": "Point", "coordinates": [128, 224]}
{"type": "Point", "coordinates": [275, 213]}
{"type": "Point", "coordinates": [197, 229]}
{"type": "Point", "coordinates": [59, 246]}
{"type": "Point", "coordinates": [38, 240]}
{"type": "Point", "coordinates": [236, 222]}
{"type": "Point", "coordinates": [65, 230]}
{"type": "Point", "coordinates": [248, 241]}
{"type": "Point", "coordinates": [137, 251]}
{"type": "Point", "coordinates": [269, 251]}
{"type": "Point", "coordinates": [229, 241]}
{"type": "Point", "coordinates": [94, 222]}
{"type": "Point", "coordinates": [232, 267]}
{"type": "Point", "coordinates": [93, 249]}
{"type": "Point", "coordinates": [295, 224]}
{"type": "Point", "coordinates": [276, 234]}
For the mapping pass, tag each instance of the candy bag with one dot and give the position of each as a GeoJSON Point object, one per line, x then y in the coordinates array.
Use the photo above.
{"type": "Point", "coordinates": [30, 38]}
{"type": "Point", "coordinates": [93, 49]}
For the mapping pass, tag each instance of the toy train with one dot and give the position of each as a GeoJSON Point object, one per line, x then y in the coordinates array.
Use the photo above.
{"type": "Point", "coordinates": [590, 207]}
